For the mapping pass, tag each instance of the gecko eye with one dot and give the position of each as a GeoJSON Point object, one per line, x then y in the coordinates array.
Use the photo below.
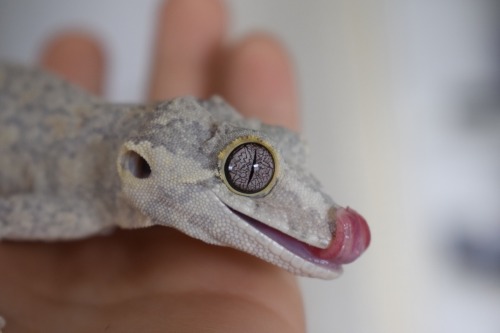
{"type": "Point", "coordinates": [249, 166]}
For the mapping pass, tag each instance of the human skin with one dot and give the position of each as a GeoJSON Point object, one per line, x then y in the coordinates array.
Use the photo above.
{"type": "Point", "coordinates": [157, 279]}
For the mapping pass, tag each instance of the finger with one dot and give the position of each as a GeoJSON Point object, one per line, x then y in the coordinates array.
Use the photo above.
{"type": "Point", "coordinates": [188, 38]}
{"type": "Point", "coordinates": [259, 81]}
{"type": "Point", "coordinates": [78, 58]}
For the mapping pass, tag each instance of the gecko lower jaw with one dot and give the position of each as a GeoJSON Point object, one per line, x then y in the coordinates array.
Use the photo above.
{"type": "Point", "coordinates": [349, 241]}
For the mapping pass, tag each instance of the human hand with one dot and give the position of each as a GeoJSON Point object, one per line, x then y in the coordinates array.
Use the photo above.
{"type": "Point", "coordinates": [157, 279]}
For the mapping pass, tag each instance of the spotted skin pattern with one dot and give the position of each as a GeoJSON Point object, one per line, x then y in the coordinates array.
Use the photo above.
{"type": "Point", "coordinates": [73, 165]}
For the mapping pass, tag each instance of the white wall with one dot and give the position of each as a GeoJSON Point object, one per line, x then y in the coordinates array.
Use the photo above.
{"type": "Point", "coordinates": [372, 97]}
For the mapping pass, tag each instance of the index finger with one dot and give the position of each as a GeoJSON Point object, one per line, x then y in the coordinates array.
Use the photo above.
{"type": "Point", "coordinates": [259, 81]}
{"type": "Point", "coordinates": [188, 39]}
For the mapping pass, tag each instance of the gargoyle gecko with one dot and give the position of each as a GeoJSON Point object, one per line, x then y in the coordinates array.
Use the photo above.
{"type": "Point", "coordinates": [73, 165]}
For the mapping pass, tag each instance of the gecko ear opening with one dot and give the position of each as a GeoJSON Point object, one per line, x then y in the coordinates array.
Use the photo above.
{"type": "Point", "coordinates": [135, 164]}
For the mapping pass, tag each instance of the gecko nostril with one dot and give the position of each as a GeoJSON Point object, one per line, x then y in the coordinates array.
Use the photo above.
{"type": "Point", "coordinates": [136, 164]}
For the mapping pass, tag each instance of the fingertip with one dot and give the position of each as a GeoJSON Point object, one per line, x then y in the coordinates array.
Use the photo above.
{"type": "Point", "coordinates": [204, 13]}
{"type": "Point", "coordinates": [78, 57]}
{"type": "Point", "coordinates": [189, 35]}
{"type": "Point", "coordinates": [260, 82]}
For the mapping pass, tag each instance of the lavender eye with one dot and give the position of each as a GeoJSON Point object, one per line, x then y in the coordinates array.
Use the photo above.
{"type": "Point", "coordinates": [250, 168]}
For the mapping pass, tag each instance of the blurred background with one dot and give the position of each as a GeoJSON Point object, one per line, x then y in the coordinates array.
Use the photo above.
{"type": "Point", "coordinates": [401, 109]}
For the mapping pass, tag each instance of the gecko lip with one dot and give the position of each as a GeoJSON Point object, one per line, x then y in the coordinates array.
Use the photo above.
{"type": "Point", "coordinates": [349, 241]}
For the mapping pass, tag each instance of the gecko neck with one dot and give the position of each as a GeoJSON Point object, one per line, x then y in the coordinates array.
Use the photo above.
{"type": "Point", "coordinates": [127, 119]}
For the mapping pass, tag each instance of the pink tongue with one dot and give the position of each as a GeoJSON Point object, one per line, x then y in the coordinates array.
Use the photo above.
{"type": "Point", "coordinates": [350, 240]}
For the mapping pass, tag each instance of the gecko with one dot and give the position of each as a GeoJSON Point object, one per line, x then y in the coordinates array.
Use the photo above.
{"type": "Point", "coordinates": [74, 165]}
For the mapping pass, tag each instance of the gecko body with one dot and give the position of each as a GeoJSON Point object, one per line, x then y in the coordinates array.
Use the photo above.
{"type": "Point", "coordinates": [73, 165]}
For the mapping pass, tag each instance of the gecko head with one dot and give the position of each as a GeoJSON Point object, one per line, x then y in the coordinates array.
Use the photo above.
{"type": "Point", "coordinates": [201, 168]}
{"type": "Point", "coordinates": [285, 216]}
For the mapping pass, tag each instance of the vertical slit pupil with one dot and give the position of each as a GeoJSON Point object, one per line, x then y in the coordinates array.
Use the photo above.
{"type": "Point", "coordinates": [252, 167]}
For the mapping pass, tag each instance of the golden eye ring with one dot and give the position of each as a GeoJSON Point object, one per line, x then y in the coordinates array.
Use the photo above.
{"type": "Point", "coordinates": [249, 166]}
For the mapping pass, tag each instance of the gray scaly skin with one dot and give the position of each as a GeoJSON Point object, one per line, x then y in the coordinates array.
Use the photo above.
{"type": "Point", "coordinates": [73, 165]}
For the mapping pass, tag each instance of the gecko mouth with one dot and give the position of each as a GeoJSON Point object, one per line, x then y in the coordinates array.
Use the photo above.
{"type": "Point", "coordinates": [349, 241]}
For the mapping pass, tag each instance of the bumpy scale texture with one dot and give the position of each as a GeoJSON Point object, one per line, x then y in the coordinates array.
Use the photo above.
{"type": "Point", "coordinates": [73, 165]}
